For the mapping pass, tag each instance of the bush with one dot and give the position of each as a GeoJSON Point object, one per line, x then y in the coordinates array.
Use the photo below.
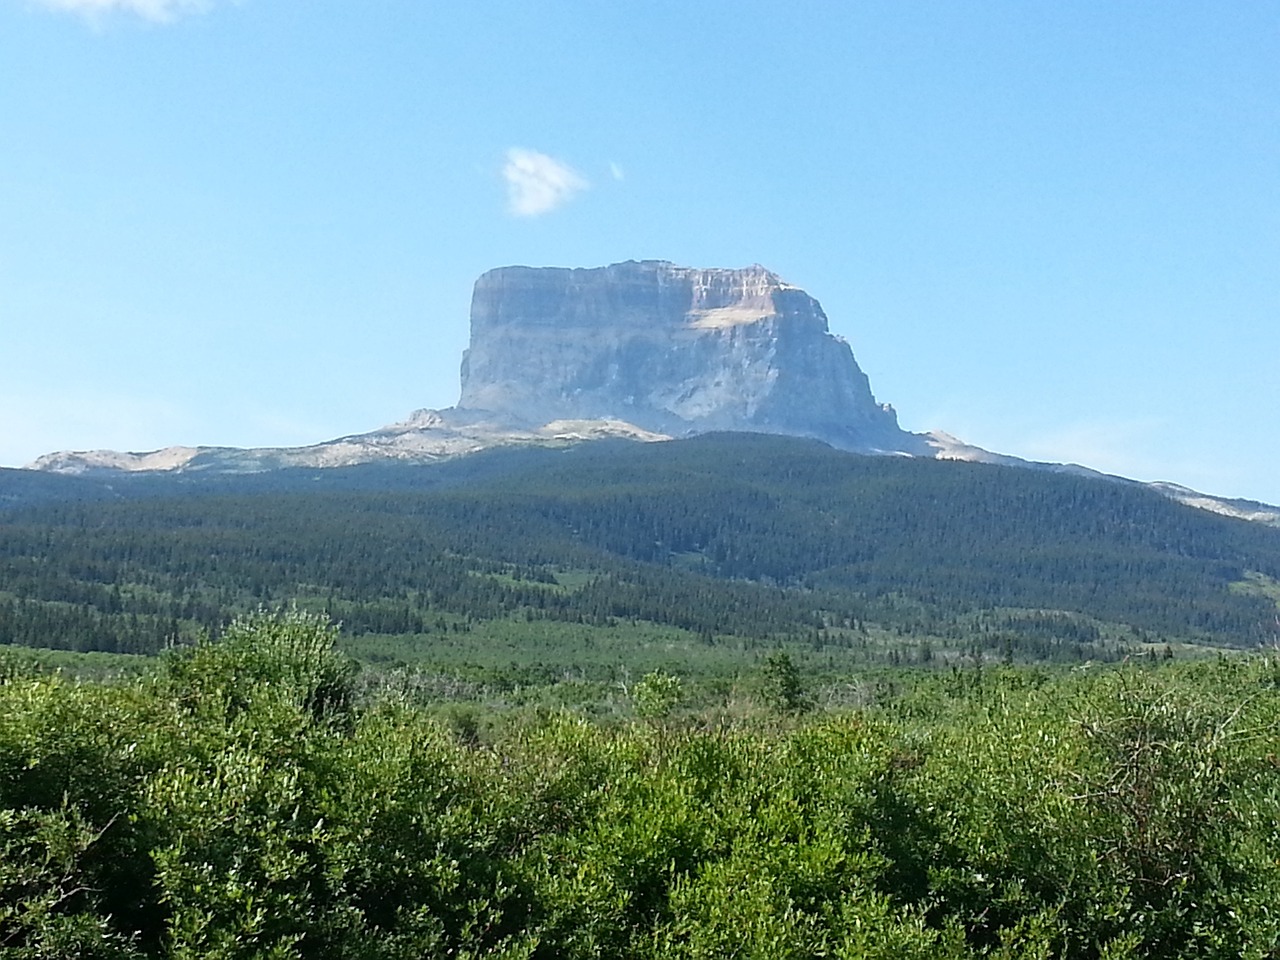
{"type": "Point", "coordinates": [285, 656]}
{"type": "Point", "coordinates": [240, 806]}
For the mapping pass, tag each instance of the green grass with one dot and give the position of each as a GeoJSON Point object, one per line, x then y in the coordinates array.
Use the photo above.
{"type": "Point", "coordinates": [92, 666]}
{"type": "Point", "coordinates": [557, 649]}
{"type": "Point", "coordinates": [1257, 584]}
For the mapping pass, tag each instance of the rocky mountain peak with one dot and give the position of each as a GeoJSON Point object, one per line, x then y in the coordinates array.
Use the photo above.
{"type": "Point", "coordinates": [672, 349]}
{"type": "Point", "coordinates": [643, 350]}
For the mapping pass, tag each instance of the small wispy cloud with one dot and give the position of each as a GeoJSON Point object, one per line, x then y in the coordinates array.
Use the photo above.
{"type": "Point", "coordinates": [617, 172]}
{"type": "Point", "coordinates": [537, 183]}
{"type": "Point", "coordinates": [158, 10]}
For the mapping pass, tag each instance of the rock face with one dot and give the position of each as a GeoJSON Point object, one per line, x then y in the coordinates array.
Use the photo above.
{"type": "Point", "coordinates": [644, 351]}
{"type": "Point", "coordinates": [640, 350]}
{"type": "Point", "coordinates": [671, 349]}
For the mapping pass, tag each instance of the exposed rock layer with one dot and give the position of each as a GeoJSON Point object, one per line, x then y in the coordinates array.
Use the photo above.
{"type": "Point", "coordinates": [645, 350]}
{"type": "Point", "coordinates": [639, 350]}
{"type": "Point", "coordinates": [671, 349]}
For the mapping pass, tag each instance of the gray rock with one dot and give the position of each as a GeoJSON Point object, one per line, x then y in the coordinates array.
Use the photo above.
{"type": "Point", "coordinates": [673, 350]}
{"type": "Point", "coordinates": [644, 351]}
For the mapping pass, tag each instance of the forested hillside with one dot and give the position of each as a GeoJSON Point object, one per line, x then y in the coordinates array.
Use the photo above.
{"type": "Point", "coordinates": [723, 538]}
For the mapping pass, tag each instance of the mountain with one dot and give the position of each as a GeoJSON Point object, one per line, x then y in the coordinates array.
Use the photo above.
{"type": "Point", "coordinates": [642, 350]}
{"type": "Point", "coordinates": [671, 349]}
{"type": "Point", "coordinates": [735, 541]}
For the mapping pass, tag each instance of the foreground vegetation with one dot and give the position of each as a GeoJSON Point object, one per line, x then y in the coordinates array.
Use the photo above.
{"type": "Point", "coordinates": [247, 800]}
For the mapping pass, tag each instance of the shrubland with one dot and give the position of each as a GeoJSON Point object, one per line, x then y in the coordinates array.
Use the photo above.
{"type": "Point", "coordinates": [254, 796]}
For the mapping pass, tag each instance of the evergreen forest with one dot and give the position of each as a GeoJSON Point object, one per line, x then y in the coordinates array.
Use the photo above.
{"type": "Point", "coordinates": [721, 546]}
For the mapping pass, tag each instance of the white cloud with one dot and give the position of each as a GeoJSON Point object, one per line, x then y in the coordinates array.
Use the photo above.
{"type": "Point", "coordinates": [617, 172]}
{"type": "Point", "coordinates": [158, 10]}
{"type": "Point", "coordinates": [537, 183]}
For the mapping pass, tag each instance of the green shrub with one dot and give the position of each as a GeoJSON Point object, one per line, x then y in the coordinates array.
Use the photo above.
{"type": "Point", "coordinates": [286, 655]}
{"type": "Point", "coordinates": [239, 805]}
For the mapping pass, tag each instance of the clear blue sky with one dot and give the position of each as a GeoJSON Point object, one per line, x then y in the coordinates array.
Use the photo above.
{"type": "Point", "coordinates": [1052, 229]}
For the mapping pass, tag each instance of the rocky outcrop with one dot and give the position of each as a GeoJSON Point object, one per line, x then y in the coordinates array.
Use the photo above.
{"type": "Point", "coordinates": [644, 351]}
{"type": "Point", "coordinates": [426, 436]}
{"type": "Point", "coordinates": [673, 350]}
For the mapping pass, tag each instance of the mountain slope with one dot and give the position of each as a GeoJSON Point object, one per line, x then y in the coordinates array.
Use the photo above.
{"type": "Point", "coordinates": [724, 535]}
{"type": "Point", "coordinates": [641, 351]}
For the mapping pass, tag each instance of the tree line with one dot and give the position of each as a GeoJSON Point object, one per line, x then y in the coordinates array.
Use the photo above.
{"type": "Point", "coordinates": [723, 536]}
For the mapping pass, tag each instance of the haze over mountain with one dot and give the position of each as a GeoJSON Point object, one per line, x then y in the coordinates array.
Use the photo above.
{"type": "Point", "coordinates": [642, 350]}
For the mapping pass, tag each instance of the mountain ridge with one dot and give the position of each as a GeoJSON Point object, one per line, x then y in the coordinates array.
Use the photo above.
{"type": "Point", "coordinates": [640, 350]}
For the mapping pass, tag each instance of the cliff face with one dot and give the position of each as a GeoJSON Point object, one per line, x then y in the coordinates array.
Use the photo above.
{"type": "Point", "coordinates": [670, 349]}
{"type": "Point", "coordinates": [644, 351]}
